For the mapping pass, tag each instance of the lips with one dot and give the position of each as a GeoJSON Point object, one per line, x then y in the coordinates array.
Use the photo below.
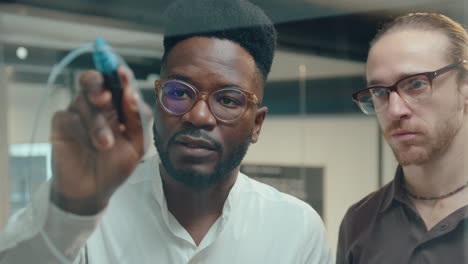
{"type": "Point", "coordinates": [398, 132]}
{"type": "Point", "coordinates": [403, 135]}
{"type": "Point", "coordinates": [195, 143]}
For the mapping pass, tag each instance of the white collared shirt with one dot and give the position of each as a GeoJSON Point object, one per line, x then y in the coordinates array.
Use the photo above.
{"type": "Point", "coordinates": [258, 225]}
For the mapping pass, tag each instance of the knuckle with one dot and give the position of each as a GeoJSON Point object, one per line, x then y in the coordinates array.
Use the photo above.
{"type": "Point", "coordinates": [86, 76]}
{"type": "Point", "coordinates": [98, 123]}
{"type": "Point", "coordinates": [90, 80]}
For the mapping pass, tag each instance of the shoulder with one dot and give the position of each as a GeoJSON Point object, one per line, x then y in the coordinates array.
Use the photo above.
{"type": "Point", "coordinates": [290, 216]}
{"type": "Point", "coordinates": [139, 188]}
{"type": "Point", "coordinates": [270, 196]}
{"type": "Point", "coordinates": [370, 204]}
{"type": "Point", "coordinates": [361, 215]}
{"type": "Point", "coordinates": [278, 206]}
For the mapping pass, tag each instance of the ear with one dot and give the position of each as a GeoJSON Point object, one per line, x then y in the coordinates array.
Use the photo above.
{"type": "Point", "coordinates": [259, 118]}
{"type": "Point", "coordinates": [157, 83]}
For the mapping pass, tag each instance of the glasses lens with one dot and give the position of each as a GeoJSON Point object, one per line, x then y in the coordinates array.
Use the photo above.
{"type": "Point", "coordinates": [415, 88]}
{"type": "Point", "coordinates": [373, 100]}
{"type": "Point", "coordinates": [228, 104]}
{"type": "Point", "coordinates": [379, 97]}
{"type": "Point", "coordinates": [177, 97]}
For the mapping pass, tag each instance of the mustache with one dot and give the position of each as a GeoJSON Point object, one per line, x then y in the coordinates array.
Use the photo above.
{"type": "Point", "coordinates": [196, 133]}
{"type": "Point", "coordinates": [404, 126]}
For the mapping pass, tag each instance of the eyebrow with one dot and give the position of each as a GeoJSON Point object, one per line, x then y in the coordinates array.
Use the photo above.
{"type": "Point", "coordinates": [400, 76]}
{"type": "Point", "coordinates": [373, 83]}
{"type": "Point", "coordinates": [181, 77]}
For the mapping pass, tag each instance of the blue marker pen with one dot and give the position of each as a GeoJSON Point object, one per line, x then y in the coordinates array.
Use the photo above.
{"type": "Point", "coordinates": [107, 63]}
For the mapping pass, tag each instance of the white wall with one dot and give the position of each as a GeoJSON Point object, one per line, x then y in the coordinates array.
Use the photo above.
{"type": "Point", "coordinates": [286, 66]}
{"type": "Point", "coordinates": [346, 146]}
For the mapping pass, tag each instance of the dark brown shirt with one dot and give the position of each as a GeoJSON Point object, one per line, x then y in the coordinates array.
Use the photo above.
{"type": "Point", "coordinates": [384, 227]}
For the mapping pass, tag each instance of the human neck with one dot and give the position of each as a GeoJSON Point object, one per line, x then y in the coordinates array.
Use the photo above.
{"type": "Point", "coordinates": [442, 174]}
{"type": "Point", "coordinates": [196, 209]}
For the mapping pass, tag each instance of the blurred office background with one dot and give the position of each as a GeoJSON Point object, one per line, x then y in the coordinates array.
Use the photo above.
{"type": "Point", "coordinates": [315, 143]}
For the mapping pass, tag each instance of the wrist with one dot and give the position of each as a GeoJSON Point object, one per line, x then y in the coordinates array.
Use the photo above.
{"type": "Point", "coordinates": [79, 206]}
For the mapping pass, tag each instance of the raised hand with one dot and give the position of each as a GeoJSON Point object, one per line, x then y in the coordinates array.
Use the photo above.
{"type": "Point", "coordinates": [92, 153]}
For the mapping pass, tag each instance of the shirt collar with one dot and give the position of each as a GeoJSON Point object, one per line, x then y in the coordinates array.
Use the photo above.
{"type": "Point", "coordinates": [157, 188]}
{"type": "Point", "coordinates": [158, 193]}
{"type": "Point", "coordinates": [395, 191]}
{"type": "Point", "coordinates": [157, 184]}
{"type": "Point", "coordinates": [161, 199]}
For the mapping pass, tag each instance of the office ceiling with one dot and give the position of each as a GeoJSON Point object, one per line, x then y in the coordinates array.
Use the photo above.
{"type": "Point", "coordinates": [333, 28]}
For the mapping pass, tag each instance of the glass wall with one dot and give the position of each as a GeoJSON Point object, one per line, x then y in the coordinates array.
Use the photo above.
{"type": "Point", "coordinates": [315, 143]}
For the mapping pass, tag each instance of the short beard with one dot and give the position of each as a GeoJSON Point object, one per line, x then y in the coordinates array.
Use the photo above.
{"type": "Point", "coordinates": [435, 147]}
{"type": "Point", "coordinates": [443, 139]}
{"type": "Point", "coordinates": [196, 179]}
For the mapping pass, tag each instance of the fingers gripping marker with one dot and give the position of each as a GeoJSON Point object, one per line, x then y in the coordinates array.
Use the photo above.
{"type": "Point", "coordinates": [107, 63]}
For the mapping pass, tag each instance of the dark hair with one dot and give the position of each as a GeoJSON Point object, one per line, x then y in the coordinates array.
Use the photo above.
{"type": "Point", "coordinates": [236, 20]}
{"type": "Point", "coordinates": [455, 32]}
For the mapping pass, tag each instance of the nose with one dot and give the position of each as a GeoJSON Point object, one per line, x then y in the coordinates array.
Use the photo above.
{"type": "Point", "coordinates": [200, 115]}
{"type": "Point", "coordinates": [398, 107]}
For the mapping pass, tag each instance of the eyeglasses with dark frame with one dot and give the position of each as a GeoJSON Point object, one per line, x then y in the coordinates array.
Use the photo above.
{"type": "Point", "coordinates": [227, 105]}
{"type": "Point", "coordinates": [413, 88]}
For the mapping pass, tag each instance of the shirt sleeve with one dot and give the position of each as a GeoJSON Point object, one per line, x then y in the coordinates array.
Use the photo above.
{"type": "Point", "coordinates": [43, 233]}
{"type": "Point", "coordinates": [341, 248]}
{"type": "Point", "coordinates": [344, 239]}
{"type": "Point", "coordinates": [316, 244]}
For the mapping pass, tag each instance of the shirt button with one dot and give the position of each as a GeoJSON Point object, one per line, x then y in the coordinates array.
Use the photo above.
{"type": "Point", "coordinates": [443, 226]}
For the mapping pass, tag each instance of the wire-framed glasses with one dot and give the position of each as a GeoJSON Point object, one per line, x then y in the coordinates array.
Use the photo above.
{"type": "Point", "coordinates": [227, 105]}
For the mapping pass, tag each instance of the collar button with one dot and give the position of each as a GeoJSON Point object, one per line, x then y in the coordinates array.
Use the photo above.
{"type": "Point", "coordinates": [443, 226]}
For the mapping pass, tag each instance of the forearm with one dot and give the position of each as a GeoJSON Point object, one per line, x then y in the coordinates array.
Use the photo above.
{"type": "Point", "coordinates": [36, 250]}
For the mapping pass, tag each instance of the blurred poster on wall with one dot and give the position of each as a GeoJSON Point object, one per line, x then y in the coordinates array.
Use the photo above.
{"type": "Point", "coordinates": [305, 183]}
